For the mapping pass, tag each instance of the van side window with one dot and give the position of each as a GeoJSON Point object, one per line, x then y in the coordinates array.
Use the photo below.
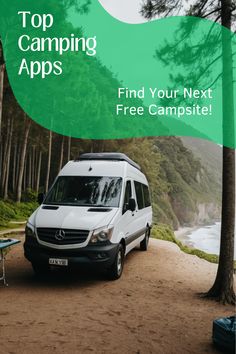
{"type": "Point", "coordinates": [128, 195]}
{"type": "Point", "coordinates": [146, 195]}
{"type": "Point", "coordinates": [139, 194]}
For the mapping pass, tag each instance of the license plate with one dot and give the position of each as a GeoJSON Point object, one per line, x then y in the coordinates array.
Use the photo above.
{"type": "Point", "coordinates": [58, 262]}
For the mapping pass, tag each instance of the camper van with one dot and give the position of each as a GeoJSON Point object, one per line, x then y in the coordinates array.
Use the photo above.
{"type": "Point", "coordinates": [97, 210]}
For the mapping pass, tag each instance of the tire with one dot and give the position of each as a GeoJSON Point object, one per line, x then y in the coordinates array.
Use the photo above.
{"type": "Point", "coordinates": [115, 271]}
{"type": "Point", "coordinates": [40, 270]}
{"type": "Point", "coordinates": [144, 243]}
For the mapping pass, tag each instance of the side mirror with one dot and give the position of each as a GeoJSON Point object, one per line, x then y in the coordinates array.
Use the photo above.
{"type": "Point", "coordinates": [41, 198]}
{"type": "Point", "coordinates": [132, 204]}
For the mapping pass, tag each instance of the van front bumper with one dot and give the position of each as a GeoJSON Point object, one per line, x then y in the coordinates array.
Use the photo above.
{"type": "Point", "coordinates": [92, 255]}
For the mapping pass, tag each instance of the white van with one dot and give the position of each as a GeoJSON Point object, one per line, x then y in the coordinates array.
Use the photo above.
{"type": "Point", "coordinates": [97, 211]}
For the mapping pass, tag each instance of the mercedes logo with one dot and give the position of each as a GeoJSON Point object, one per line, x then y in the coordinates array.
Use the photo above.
{"type": "Point", "coordinates": [60, 235]}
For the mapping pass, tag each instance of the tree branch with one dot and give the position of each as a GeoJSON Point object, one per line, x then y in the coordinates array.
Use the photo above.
{"type": "Point", "coordinates": [211, 12]}
{"type": "Point", "coordinates": [217, 78]}
{"type": "Point", "coordinates": [202, 7]}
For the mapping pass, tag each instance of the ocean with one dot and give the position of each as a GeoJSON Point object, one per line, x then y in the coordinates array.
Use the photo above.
{"type": "Point", "coordinates": [206, 238]}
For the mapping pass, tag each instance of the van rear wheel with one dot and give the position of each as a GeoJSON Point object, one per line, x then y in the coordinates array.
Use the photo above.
{"type": "Point", "coordinates": [144, 243]}
{"type": "Point", "coordinates": [116, 269]}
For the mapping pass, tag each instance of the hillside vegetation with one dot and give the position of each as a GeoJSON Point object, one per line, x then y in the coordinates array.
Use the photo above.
{"type": "Point", "coordinates": [184, 191]}
{"type": "Point", "coordinates": [180, 186]}
{"type": "Point", "coordinates": [209, 153]}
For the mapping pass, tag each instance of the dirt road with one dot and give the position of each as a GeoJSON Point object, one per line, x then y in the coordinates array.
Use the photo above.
{"type": "Point", "coordinates": [153, 308]}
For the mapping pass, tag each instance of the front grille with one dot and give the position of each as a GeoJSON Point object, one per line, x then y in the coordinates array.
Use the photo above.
{"type": "Point", "coordinates": [69, 237]}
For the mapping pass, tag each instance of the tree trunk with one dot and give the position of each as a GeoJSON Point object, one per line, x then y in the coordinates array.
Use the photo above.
{"type": "Point", "coordinates": [24, 183]}
{"type": "Point", "coordinates": [14, 168]}
{"type": "Point", "coordinates": [33, 178]}
{"type": "Point", "coordinates": [223, 286]}
{"type": "Point", "coordinates": [17, 164]}
{"type": "Point", "coordinates": [29, 170]}
{"type": "Point", "coordinates": [61, 154]}
{"type": "Point", "coordinates": [2, 71]}
{"type": "Point", "coordinates": [69, 148]}
{"type": "Point", "coordinates": [38, 171]}
{"type": "Point", "coordinates": [49, 161]}
{"type": "Point", "coordinates": [22, 159]}
{"type": "Point", "coordinates": [1, 158]}
{"type": "Point", "coordinates": [4, 160]}
{"type": "Point", "coordinates": [8, 156]}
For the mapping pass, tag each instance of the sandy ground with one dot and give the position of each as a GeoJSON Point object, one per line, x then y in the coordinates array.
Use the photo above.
{"type": "Point", "coordinates": [153, 308]}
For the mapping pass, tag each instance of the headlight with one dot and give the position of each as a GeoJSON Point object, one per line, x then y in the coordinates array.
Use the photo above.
{"type": "Point", "coordinates": [101, 235]}
{"type": "Point", "coordinates": [29, 230]}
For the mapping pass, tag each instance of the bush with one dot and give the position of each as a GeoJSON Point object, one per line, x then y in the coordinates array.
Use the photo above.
{"type": "Point", "coordinates": [29, 196]}
{"type": "Point", "coordinates": [162, 232]}
{"type": "Point", "coordinates": [15, 211]}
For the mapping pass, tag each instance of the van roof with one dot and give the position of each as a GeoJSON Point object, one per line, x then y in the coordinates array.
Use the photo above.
{"type": "Point", "coordinates": [111, 168]}
{"type": "Point", "coordinates": [112, 156]}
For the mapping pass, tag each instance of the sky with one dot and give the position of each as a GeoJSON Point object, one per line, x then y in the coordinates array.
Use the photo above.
{"type": "Point", "coordinates": [129, 10]}
{"type": "Point", "coordinates": [124, 10]}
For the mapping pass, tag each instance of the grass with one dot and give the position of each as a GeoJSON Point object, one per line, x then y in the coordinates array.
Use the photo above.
{"type": "Point", "coordinates": [11, 211]}
{"type": "Point", "coordinates": [10, 226]}
{"type": "Point", "coordinates": [164, 232]}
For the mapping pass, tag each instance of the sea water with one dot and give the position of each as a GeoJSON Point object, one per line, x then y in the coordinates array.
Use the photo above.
{"type": "Point", "coordinates": [207, 239]}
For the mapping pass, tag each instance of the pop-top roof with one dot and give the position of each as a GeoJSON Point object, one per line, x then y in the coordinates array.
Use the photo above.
{"type": "Point", "coordinates": [114, 156]}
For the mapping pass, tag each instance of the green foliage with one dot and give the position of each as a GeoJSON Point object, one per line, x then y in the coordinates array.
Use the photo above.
{"type": "Point", "coordinates": [163, 211]}
{"type": "Point", "coordinates": [15, 211]}
{"type": "Point", "coordinates": [184, 184]}
{"type": "Point", "coordinates": [29, 196]}
{"type": "Point", "coordinates": [163, 232]}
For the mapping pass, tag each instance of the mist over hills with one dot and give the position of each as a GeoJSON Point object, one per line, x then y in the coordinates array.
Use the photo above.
{"type": "Point", "coordinates": [208, 152]}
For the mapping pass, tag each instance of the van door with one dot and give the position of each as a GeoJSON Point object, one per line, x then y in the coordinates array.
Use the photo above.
{"type": "Point", "coordinates": [128, 219]}
{"type": "Point", "coordinates": [141, 211]}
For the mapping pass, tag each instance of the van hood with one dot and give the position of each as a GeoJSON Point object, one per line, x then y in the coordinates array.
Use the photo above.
{"type": "Point", "coordinates": [71, 217]}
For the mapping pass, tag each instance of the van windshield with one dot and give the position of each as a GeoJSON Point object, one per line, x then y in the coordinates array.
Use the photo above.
{"type": "Point", "coordinates": [85, 191]}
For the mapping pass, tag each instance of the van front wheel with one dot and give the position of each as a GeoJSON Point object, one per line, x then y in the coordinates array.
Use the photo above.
{"type": "Point", "coordinates": [144, 243]}
{"type": "Point", "coordinates": [117, 267]}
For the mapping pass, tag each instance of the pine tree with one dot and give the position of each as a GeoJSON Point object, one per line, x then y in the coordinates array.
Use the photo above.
{"type": "Point", "coordinates": [223, 11]}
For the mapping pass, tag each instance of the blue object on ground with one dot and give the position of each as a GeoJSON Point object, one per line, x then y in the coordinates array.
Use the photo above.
{"type": "Point", "coordinates": [224, 331]}
{"type": "Point", "coordinates": [5, 243]}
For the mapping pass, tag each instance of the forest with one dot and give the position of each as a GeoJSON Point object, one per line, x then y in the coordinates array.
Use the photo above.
{"type": "Point", "coordinates": [185, 189]}
{"type": "Point", "coordinates": [31, 157]}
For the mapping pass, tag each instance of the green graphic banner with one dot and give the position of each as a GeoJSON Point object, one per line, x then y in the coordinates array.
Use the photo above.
{"type": "Point", "coordinates": [78, 71]}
